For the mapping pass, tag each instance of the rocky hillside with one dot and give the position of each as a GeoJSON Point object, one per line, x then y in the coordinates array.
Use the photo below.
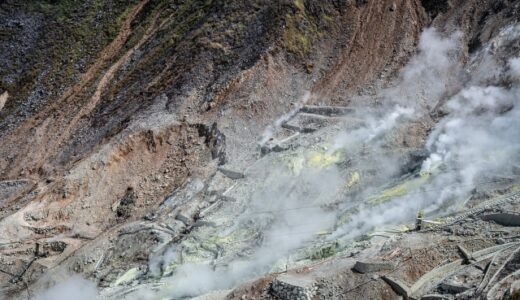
{"type": "Point", "coordinates": [164, 148]}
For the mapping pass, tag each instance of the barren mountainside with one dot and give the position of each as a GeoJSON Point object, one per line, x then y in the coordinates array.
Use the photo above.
{"type": "Point", "coordinates": [294, 149]}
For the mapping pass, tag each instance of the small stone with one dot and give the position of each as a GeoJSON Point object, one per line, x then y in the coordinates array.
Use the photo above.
{"type": "Point", "coordinates": [434, 297]}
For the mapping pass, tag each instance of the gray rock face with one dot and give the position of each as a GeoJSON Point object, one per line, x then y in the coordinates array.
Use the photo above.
{"type": "Point", "coordinates": [9, 188]}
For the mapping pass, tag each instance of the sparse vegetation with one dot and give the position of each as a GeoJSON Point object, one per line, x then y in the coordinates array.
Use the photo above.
{"type": "Point", "coordinates": [73, 32]}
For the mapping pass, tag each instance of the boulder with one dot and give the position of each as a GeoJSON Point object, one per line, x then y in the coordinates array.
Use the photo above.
{"type": "Point", "coordinates": [399, 287]}
{"type": "Point", "coordinates": [231, 174]}
{"type": "Point", "coordinates": [504, 219]}
{"type": "Point", "coordinates": [373, 266]}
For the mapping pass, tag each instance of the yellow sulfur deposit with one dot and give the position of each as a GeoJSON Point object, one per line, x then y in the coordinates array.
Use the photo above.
{"type": "Point", "coordinates": [385, 195]}
{"type": "Point", "coordinates": [515, 188]}
{"type": "Point", "coordinates": [353, 180]}
{"type": "Point", "coordinates": [296, 164]}
{"type": "Point", "coordinates": [128, 277]}
{"type": "Point", "coordinates": [399, 190]}
{"type": "Point", "coordinates": [314, 159]}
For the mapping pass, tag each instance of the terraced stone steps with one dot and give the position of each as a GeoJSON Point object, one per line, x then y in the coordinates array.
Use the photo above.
{"type": "Point", "coordinates": [309, 119]}
{"type": "Point", "coordinates": [329, 111]}
{"type": "Point", "coordinates": [504, 219]}
{"type": "Point", "coordinates": [307, 123]}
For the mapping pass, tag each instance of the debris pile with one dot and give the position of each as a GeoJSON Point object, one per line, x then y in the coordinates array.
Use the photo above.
{"type": "Point", "coordinates": [293, 287]}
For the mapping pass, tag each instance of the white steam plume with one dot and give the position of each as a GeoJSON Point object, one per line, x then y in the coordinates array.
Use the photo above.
{"type": "Point", "coordinates": [74, 287]}
{"type": "Point", "coordinates": [477, 141]}
{"type": "Point", "coordinates": [280, 190]}
{"type": "Point", "coordinates": [478, 137]}
{"type": "Point", "coordinates": [276, 211]}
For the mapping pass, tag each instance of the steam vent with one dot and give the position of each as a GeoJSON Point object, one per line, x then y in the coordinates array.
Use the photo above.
{"type": "Point", "coordinates": [259, 149]}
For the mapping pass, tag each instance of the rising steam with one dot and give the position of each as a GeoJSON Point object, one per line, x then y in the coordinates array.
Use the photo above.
{"type": "Point", "coordinates": [74, 287]}
{"type": "Point", "coordinates": [476, 140]}
{"type": "Point", "coordinates": [297, 200]}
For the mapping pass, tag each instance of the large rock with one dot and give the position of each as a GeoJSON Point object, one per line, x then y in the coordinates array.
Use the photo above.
{"type": "Point", "coordinates": [399, 287]}
{"type": "Point", "coordinates": [231, 174]}
{"type": "Point", "coordinates": [453, 287]}
{"type": "Point", "coordinates": [12, 188]}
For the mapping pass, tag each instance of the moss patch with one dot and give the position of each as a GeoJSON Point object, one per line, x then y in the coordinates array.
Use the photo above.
{"type": "Point", "coordinates": [305, 24]}
{"type": "Point", "coordinates": [300, 33]}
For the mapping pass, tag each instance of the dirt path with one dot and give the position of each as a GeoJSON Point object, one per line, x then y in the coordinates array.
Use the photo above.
{"type": "Point", "coordinates": [108, 53]}
{"type": "Point", "coordinates": [113, 49]}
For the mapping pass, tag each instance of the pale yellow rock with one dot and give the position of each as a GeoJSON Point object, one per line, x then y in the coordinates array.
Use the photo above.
{"type": "Point", "coordinates": [353, 180]}
{"type": "Point", "coordinates": [3, 100]}
{"type": "Point", "coordinates": [128, 277]}
{"type": "Point", "coordinates": [323, 160]}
